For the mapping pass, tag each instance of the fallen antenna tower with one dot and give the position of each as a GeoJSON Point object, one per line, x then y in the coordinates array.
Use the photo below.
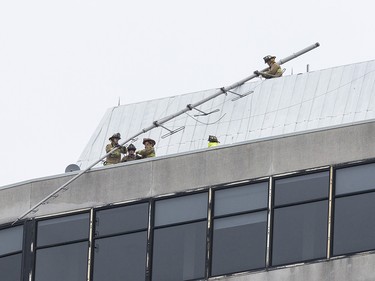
{"type": "Point", "coordinates": [159, 123]}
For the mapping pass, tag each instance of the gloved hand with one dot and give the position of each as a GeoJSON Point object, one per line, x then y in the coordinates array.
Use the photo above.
{"type": "Point", "coordinates": [256, 72]}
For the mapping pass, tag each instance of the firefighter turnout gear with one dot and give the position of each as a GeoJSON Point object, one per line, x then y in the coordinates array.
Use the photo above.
{"type": "Point", "coordinates": [146, 153]}
{"type": "Point", "coordinates": [274, 69]}
{"type": "Point", "coordinates": [149, 150]}
{"type": "Point", "coordinates": [131, 156]}
{"type": "Point", "coordinates": [115, 156]}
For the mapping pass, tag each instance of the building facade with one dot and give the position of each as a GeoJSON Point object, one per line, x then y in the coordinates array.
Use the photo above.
{"type": "Point", "coordinates": [291, 207]}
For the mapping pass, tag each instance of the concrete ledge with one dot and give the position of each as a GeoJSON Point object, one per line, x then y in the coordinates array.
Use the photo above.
{"type": "Point", "coordinates": [355, 268]}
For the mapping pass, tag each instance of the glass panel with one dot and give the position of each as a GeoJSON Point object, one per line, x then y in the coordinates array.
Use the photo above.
{"type": "Point", "coordinates": [179, 252]}
{"type": "Point", "coordinates": [354, 224]}
{"type": "Point", "coordinates": [123, 219]}
{"type": "Point", "coordinates": [301, 188]}
{"type": "Point", "coordinates": [239, 243]}
{"type": "Point", "coordinates": [181, 209]}
{"type": "Point", "coordinates": [10, 268]}
{"type": "Point", "coordinates": [11, 240]}
{"type": "Point", "coordinates": [121, 258]}
{"type": "Point", "coordinates": [61, 230]}
{"type": "Point", "coordinates": [300, 233]}
{"type": "Point", "coordinates": [62, 263]}
{"type": "Point", "coordinates": [241, 199]}
{"type": "Point", "coordinates": [353, 179]}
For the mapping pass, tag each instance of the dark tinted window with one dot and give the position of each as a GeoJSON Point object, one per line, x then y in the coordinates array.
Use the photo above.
{"type": "Point", "coordinates": [180, 209]}
{"type": "Point", "coordinates": [239, 243]}
{"type": "Point", "coordinates": [123, 219]}
{"type": "Point", "coordinates": [354, 179]}
{"type": "Point", "coordinates": [301, 188]}
{"type": "Point", "coordinates": [121, 257]}
{"type": "Point", "coordinates": [10, 268]}
{"type": "Point", "coordinates": [240, 199]}
{"type": "Point", "coordinates": [300, 233]}
{"type": "Point", "coordinates": [65, 229]}
{"type": "Point", "coordinates": [354, 224]}
{"type": "Point", "coordinates": [11, 240]}
{"type": "Point", "coordinates": [63, 263]}
{"type": "Point", "coordinates": [179, 252]}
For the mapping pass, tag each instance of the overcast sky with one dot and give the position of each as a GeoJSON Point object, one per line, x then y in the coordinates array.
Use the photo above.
{"type": "Point", "coordinates": [64, 63]}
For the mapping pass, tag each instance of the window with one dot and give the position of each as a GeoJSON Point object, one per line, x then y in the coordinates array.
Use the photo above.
{"type": "Point", "coordinates": [179, 249]}
{"type": "Point", "coordinates": [300, 216]}
{"type": "Point", "coordinates": [239, 228]}
{"type": "Point", "coordinates": [121, 243]}
{"type": "Point", "coordinates": [62, 248]}
{"type": "Point", "coordinates": [11, 253]}
{"type": "Point", "coordinates": [355, 179]}
{"type": "Point", "coordinates": [354, 214]}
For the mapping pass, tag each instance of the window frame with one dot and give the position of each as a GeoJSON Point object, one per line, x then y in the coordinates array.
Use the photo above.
{"type": "Point", "coordinates": [24, 268]}
{"type": "Point", "coordinates": [153, 227]}
{"type": "Point", "coordinates": [76, 241]}
{"type": "Point", "coordinates": [253, 211]}
{"type": "Point", "coordinates": [346, 195]}
{"type": "Point", "coordinates": [321, 199]}
{"type": "Point", "coordinates": [147, 229]}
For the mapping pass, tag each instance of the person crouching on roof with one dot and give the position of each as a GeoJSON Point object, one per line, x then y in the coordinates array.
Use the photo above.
{"type": "Point", "coordinates": [149, 150]}
{"type": "Point", "coordinates": [274, 69]}
{"type": "Point", "coordinates": [115, 156]}
{"type": "Point", "coordinates": [213, 141]}
{"type": "Point", "coordinates": [131, 154]}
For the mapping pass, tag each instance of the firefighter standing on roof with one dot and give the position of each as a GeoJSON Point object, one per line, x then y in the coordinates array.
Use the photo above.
{"type": "Point", "coordinates": [149, 150]}
{"type": "Point", "coordinates": [131, 154]}
{"type": "Point", "coordinates": [274, 69]}
{"type": "Point", "coordinates": [115, 156]}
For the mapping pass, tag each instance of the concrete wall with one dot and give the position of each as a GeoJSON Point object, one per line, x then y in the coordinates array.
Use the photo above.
{"type": "Point", "coordinates": [355, 268]}
{"type": "Point", "coordinates": [204, 168]}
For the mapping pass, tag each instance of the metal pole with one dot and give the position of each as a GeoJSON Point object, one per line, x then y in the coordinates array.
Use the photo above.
{"type": "Point", "coordinates": [159, 122]}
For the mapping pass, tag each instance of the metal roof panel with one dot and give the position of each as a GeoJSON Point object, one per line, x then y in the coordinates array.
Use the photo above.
{"type": "Point", "coordinates": [290, 104]}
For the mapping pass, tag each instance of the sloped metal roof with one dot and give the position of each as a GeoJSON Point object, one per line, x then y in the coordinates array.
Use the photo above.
{"type": "Point", "coordinates": [290, 104]}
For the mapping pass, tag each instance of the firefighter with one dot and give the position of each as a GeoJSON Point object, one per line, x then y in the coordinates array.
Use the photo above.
{"type": "Point", "coordinates": [274, 69]}
{"type": "Point", "coordinates": [213, 141]}
{"type": "Point", "coordinates": [115, 156]}
{"type": "Point", "coordinates": [149, 150]}
{"type": "Point", "coordinates": [131, 154]}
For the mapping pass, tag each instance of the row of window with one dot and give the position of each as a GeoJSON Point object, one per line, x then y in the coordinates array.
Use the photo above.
{"type": "Point", "coordinates": [214, 232]}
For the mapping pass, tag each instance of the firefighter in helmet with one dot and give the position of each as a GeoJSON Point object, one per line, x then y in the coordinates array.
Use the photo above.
{"type": "Point", "coordinates": [131, 154]}
{"type": "Point", "coordinates": [149, 150]}
{"type": "Point", "coordinates": [213, 141]}
{"type": "Point", "coordinates": [274, 69]}
{"type": "Point", "coordinates": [115, 156]}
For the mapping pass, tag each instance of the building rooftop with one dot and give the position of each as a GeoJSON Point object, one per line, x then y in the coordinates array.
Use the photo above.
{"type": "Point", "coordinates": [290, 104]}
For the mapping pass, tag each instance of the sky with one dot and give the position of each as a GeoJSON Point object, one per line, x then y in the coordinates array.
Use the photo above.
{"type": "Point", "coordinates": [64, 63]}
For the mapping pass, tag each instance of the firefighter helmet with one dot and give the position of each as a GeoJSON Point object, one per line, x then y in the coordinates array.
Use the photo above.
{"type": "Point", "coordinates": [268, 58]}
{"type": "Point", "coordinates": [132, 147]}
{"type": "Point", "coordinates": [149, 140]}
{"type": "Point", "coordinates": [213, 139]}
{"type": "Point", "coordinates": [115, 136]}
